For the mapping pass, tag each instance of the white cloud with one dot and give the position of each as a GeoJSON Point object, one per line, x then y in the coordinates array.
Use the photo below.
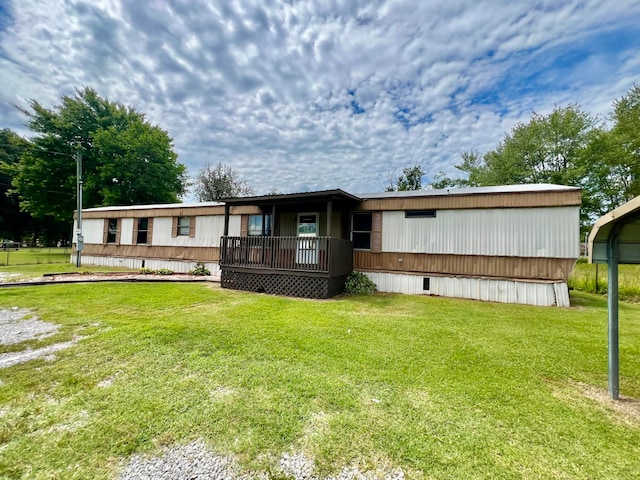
{"type": "Point", "coordinates": [313, 95]}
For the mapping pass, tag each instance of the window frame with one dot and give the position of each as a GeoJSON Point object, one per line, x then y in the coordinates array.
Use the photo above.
{"type": "Point", "coordinates": [362, 232]}
{"type": "Point", "coordinates": [431, 213]}
{"type": "Point", "coordinates": [265, 225]}
{"type": "Point", "coordinates": [112, 234]}
{"type": "Point", "coordinates": [144, 231]}
{"type": "Point", "coordinates": [181, 232]}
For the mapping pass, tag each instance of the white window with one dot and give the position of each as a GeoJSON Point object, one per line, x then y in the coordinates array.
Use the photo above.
{"type": "Point", "coordinates": [184, 226]}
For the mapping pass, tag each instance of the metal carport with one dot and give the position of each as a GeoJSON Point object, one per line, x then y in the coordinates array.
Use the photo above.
{"type": "Point", "coordinates": [615, 239]}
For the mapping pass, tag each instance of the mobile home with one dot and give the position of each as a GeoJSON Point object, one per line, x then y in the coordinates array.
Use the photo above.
{"type": "Point", "coordinates": [514, 244]}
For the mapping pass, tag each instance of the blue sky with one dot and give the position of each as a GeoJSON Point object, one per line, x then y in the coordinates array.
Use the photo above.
{"type": "Point", "coordinates": [310, 95]}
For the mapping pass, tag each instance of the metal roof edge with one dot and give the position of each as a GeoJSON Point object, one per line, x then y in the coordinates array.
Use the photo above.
{"type": "Point", "coordinates": [615, 214]}
{"type": "Point", "coordinates": [289, 196]}
{"type": "Point", "coordinates": [153, 206]}
{"type": "Point", "coordinates": [495, 189]}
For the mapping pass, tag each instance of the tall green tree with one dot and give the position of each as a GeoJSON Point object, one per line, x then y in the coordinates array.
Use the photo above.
{"type": "Point", "coordinates": [411, 179]}
{"type": "Point", "coordinates": [567, 147]}
{"type": "Point", "coordinates": [625, 160]}
{"type": "Point", "coordinates": [612, 169]}
{"type": "Point", "coordinates": [125, 159]}
{"type": "Point", "coordinates": [14, 224]}
{"type": "Point", "coordinates": [554, 148]}
{"type": "Point", "coordinates": [547, 149]}
{"type": "Point", "coordinates": [219, 182]}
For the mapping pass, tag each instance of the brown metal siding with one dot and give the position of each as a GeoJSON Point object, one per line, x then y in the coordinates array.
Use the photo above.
{"type": "Point", "coordinates": [170, 212]}
{"type": "Point", "coordinates": [105, 232]}
{"type": "Point", "coordinates": [376, 232]}
{"type": "Point", "coordinates": [150, 232]}
{"type": "Point", "coordinates": [244, 225]}
{"type": "Point", "coordinates": [134, 233]}
{"type": "Point", "coordinates": [174, 227]}
{"type": "Point", "coordinates": [205, 254]}
{"type": "Point", "coordinates": [472, 265]}
{"type": "Point", "coordinates": [496, 200]}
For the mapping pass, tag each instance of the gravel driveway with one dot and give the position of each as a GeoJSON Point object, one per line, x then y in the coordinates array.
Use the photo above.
{"type": "Point", "coordinates": [18, 325]}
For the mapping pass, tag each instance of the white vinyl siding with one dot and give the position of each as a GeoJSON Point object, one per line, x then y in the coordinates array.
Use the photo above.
{"type": "Point", "coordinates": [487, 289]}
{"type": "Point", "coordinates": [209, 229]}
{"type": "Point", "coordinates": [126, 234]}
{"type": "Point", "coordinates": [212, 228]}
{"type": "Point", "coordinates": [178, 266]}
{"type": "Point", "coordinates": [522, 232]}
{"type": "Point", "coordinates": [92, 230]}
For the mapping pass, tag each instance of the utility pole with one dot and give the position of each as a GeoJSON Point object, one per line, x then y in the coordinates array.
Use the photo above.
{"type": "Point", "coordinates": [79, 236]}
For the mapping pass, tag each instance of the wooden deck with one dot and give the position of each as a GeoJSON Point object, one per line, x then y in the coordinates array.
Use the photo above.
{"type": "Point", "coordinates": [313, 267]}
{"type": "Point", "coordinates": [327, 255]}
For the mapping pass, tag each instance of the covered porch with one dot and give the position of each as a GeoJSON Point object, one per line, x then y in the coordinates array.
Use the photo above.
{"type": "Point", "coordinates": [298, 245]}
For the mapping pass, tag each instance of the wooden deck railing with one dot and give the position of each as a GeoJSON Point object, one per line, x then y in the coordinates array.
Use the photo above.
{"type": "Point", "coordinates": [311, 254]}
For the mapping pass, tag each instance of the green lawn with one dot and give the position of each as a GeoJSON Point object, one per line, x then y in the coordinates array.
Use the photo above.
{"type": "Point", "coordinates": [442, 388]}
{"type": "Point", "coordinates": [34, 262]}
{"type": "Point", "coordinates": [34, 256]}
{"type": "Point", "coordinates": [586, 277]}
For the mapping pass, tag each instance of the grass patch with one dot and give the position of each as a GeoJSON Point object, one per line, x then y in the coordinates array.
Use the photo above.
{"type": "Point", "coordinates": [15, 273]}
{"type": "Point", "coordinates": [442, 388]}
{"type": "Point", "coordinates": [592, 278]}
{"type": "Point", "coordinates": [31, 256]}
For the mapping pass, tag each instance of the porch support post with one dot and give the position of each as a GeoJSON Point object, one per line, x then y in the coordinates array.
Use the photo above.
{"type": "Point", "coordinates": [226, 219]}
{"type": "Point", "coordinates": [273, 219]}
{"type": "Point", "coordinates": [329, 213]}
{"type": "Point", "coordinates": [612, 298]}
{"type": "Point", "coordinates": [272, 234]}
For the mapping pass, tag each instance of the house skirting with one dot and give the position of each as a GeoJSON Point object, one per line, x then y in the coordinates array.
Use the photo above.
{"type": "Point", "coordinates": [283, 283]}
{"type": "Point", "coordinates": [528, 292]}
{"type": "Point", "coordinates": [178, 266]}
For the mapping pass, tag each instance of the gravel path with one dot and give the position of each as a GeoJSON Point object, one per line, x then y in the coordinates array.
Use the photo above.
{"type": "Point", "coordinates": [51, 279]}
{"type": "Point", "coordinates": [12, 358]}
{"type": "Point", "coordinates": [196, 462]}
{"type": "Point", "coordinates": [15, 327]}
{"type": "Point", "coordinates": [7, 276]}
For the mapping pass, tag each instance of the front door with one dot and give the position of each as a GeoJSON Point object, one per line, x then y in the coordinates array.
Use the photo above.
{"type": "Point", "coordinates": [307, 245]}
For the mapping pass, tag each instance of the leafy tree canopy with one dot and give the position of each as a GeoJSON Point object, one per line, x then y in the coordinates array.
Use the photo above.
{"type": "Point", "coordinates": [567, 147]}
{"type": "Point", "coordinates": [125, 159]}
{"type": "Point", "coordinates": [13, 222]}
{"type": "Point", "coordinates": [547, 149]}
{"type": "Point", "coordinates": [411, 179]}
{"type": "Point", "coordinates": [219, 182]}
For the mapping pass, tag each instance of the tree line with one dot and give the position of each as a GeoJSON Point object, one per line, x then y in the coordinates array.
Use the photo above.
{"type": "Point", "coordinates": [569, 147]}
{"type": "Point", "coordinates": [127, 161]}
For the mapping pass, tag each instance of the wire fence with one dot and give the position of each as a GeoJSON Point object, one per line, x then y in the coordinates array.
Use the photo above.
{"type": "Point", "coordinates": [10, 256]}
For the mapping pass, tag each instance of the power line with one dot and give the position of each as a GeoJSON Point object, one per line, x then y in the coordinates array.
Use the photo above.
{"type": "Point", "coordinates": [3, 184]}
{"type": "Point", "coordinates": [36, 149]}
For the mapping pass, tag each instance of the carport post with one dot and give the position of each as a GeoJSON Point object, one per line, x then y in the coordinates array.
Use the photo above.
{"type": "Point", "coordinates": [612, 298]}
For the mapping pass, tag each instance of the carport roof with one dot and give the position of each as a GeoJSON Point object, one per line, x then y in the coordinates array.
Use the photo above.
{"type": "Point", "coordinates": [624, 222]}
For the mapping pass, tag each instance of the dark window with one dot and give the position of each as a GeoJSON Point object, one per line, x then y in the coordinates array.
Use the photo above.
{"type": "Point", "coordinates": [362, 222]}
{"type": "Point", "coordinates": [420, 214]}
{"type": "Point", "coordinates": [426, 283]}
{"type": "Point", "coordinates": [143, 230]}
{"type": "Point", "coordinates": [361, 230]}
{"type": "Point", "coordinates": [112, 230]}
{"type": "Point", "coordinates": [256, 224]}
{"type": "Point", "coordinates": [184, 225]}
